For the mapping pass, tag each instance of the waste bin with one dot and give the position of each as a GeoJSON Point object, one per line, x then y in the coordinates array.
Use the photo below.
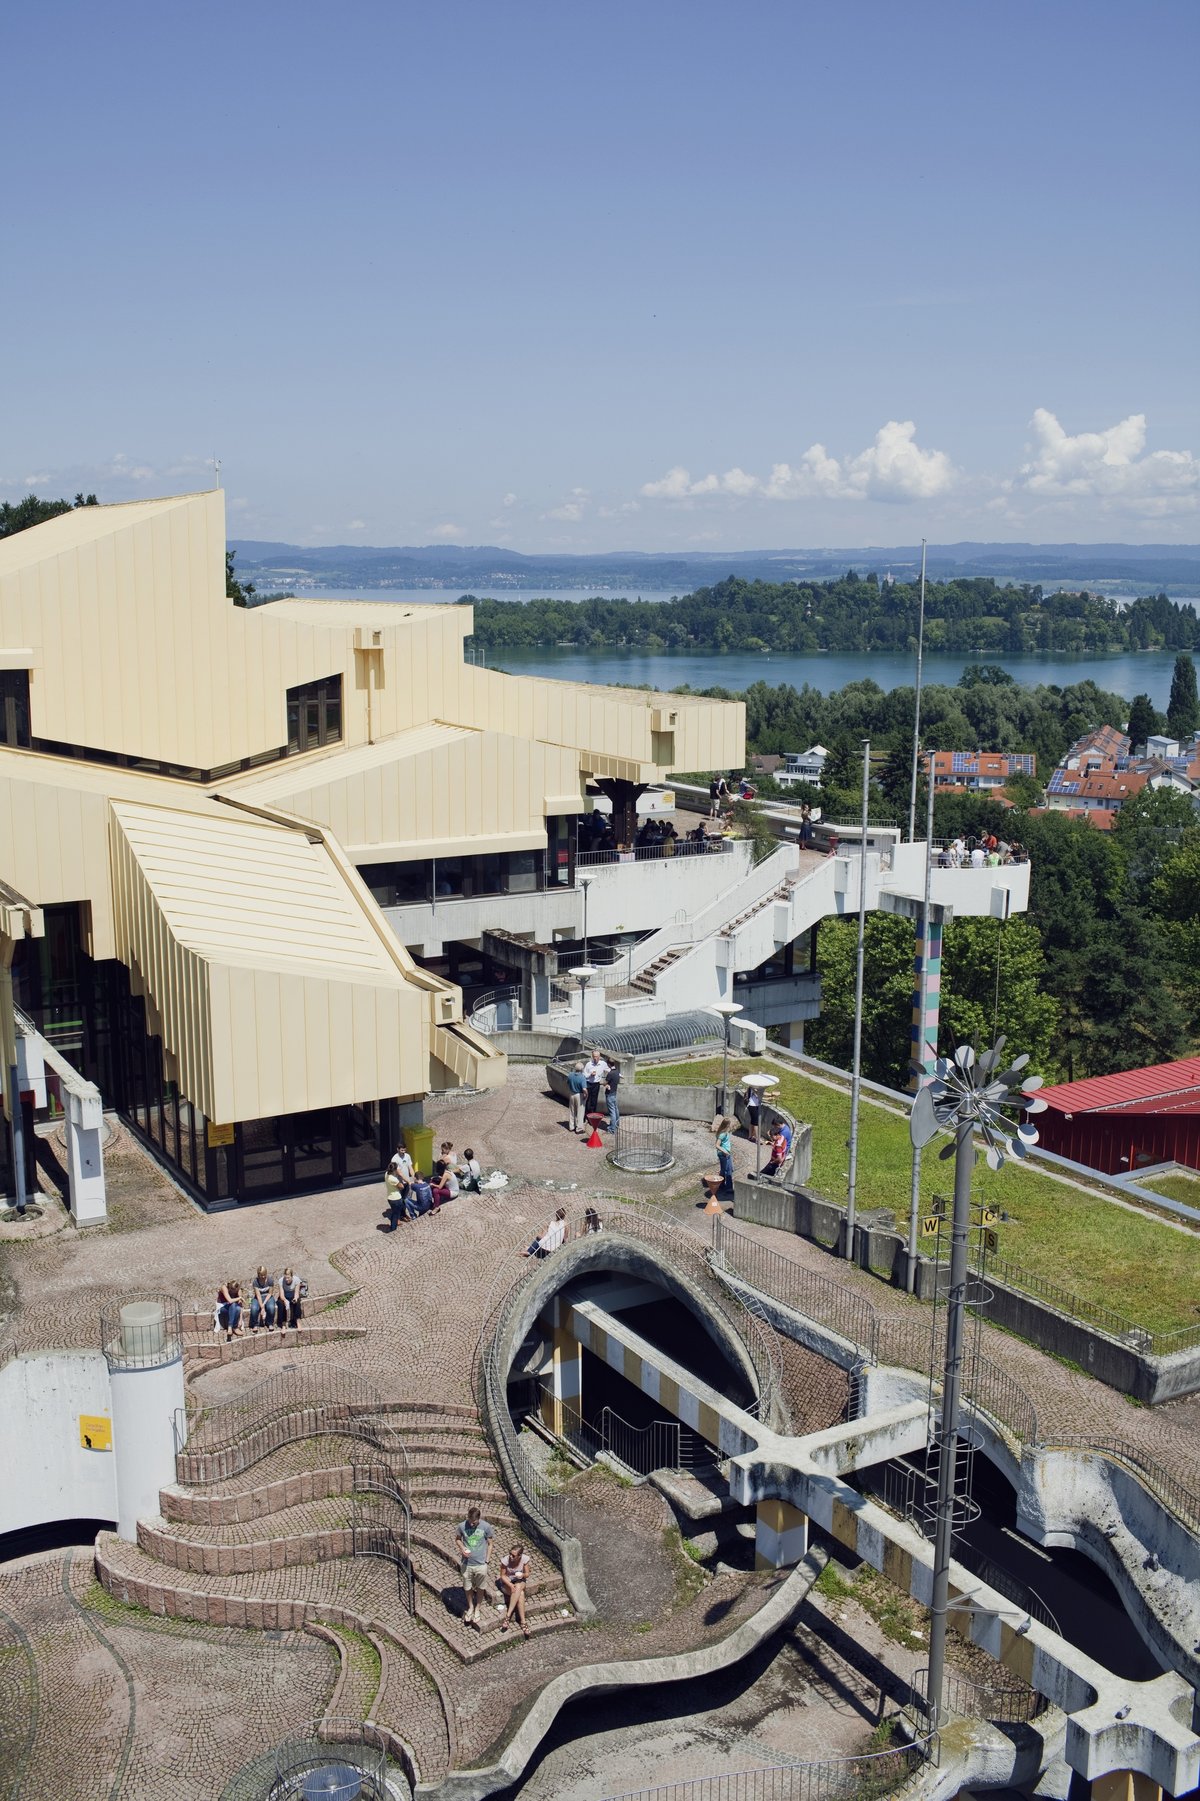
{"type": "Point", "coordinates": [418, 1142]}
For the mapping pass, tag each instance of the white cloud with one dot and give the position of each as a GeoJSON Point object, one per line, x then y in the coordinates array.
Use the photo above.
{"type": "Point", "coordinates": [448, 532]}
{"type": "Point", "coordinates": [893, 468]}
{"type": "Point", "coordinates": [510, 500]}
{"type": "Point", "coordinates": [357, 525]}
{"type": "Point", "coordinates": [573, 508]}
{"type": "Point", "coordinates": [1109, 466]}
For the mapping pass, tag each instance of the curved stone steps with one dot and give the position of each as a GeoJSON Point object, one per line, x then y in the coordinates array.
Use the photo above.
{"type": "Point", "coordinates": [239, 1506]}
{"type": "Point", "coordinates": [412, 1701]}
{"type": "Point", "coordinates": [437, 1570]}
{"type": "Point", "coordinates": [209, 1353]}
{"type": "Point", "coordinates": [296, 1458]}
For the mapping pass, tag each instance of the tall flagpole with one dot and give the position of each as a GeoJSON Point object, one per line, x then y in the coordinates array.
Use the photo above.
{"type": "Point", "coordinates": [916, 751]}
{"type": "Point", "coordinates": [856, 1083]}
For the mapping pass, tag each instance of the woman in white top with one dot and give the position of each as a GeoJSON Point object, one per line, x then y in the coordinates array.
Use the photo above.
{"type": "Point", "coordinates": [514, 1580]}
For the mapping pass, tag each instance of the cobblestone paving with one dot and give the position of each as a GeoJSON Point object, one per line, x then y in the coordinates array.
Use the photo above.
{"type": "Point", "coordinates": [420, 1296]}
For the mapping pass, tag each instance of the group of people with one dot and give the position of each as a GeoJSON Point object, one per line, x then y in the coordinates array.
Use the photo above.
{"type": "Point", "coordinates": [473, 1541]}
{"type": "Point", "coordinates": [410, 1194]}
{"type": "Point", "coordinates": [558, 1231]}
{"type": "Point", "coordinates": [724, 790]}
{"type": "Point", "coordinates": [273, 1301]}
{"type": "Point", "coordinates": [988, 852]}
{"type": "Point", "coordinates": [585, 1083]}
{"type": "Point", "coordinates": [779, 1144]}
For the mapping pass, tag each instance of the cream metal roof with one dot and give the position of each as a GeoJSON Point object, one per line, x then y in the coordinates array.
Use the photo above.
{"type": "Point", "coordinates": [240, 891]}
{"type": "Point", "coordinates": [67, 531]}
{"type": "Point", "coordinates": [343, 615]}
{"type": "Point", "coordinates": [294, 775]}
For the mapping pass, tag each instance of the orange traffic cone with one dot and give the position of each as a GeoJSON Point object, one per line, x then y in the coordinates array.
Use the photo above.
{"type": "Point", "coordinates": [595, 1142]}
{"type": "Point", "coordinates": [714, 1205]}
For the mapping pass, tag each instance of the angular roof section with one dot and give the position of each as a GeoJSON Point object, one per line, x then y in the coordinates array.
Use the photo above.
{"type": "Point", "coordinates": [1159, 1088]}
{"type": "Point", "coordinates": [82, 525]}
{"type": "Point", "coordinates": [237, 890]}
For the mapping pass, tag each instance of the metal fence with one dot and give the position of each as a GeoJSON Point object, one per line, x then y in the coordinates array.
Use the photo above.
{"type": "Point", "coordinates": [865, 1778]}
{"type": "Point", "coordinates": [1184, 1503]}
{"type": "Point", "coordinates": [344, 1759]}
{"type": "Point", "coordinates": [381, 1524]}
{"type": "Point", "coordinates": [644, 1145]}
{"type": "Point", "coordinates": [142, 1335]}
{"type": "Point", "coordinates": [661, 1445]}
{"type": "Point", "coordinates": [216, 1442]}
{"type": "Point", "coordinates": [645, 853]}
{"type": "Point", "coordinates": [827, 1303]}
{"type": "Point", "coordinates": [1004, 1703]}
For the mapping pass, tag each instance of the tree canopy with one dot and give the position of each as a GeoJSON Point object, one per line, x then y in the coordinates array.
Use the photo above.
{"type": "Point", "coordinates": [19, 515]}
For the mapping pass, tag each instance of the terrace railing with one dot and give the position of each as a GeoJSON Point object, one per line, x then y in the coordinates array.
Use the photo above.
{"type": "Point", "coordinates": [654, 853]}
{"type": "Point", "coordinates": [826, 1302]}
{"type": "Point", "coordinates": [865, 1778]}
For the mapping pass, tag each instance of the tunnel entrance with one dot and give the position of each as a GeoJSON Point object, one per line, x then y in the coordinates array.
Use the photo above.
{"type": "Point", "coordinates": [1062, 1588]}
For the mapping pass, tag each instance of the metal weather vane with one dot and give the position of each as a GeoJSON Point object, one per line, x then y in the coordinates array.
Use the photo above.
{"type": "Point", "coordinates": [966, 1090]}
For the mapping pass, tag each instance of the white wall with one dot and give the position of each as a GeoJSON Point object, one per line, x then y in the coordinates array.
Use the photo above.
{"type": "Point", "coordinates": [45, 1473]}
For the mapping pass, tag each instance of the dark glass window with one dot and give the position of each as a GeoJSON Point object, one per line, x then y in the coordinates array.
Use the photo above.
{"type": "Point", "coordinates": [314, 714]}
{"type": "Point", "coordinates": [14, 707]}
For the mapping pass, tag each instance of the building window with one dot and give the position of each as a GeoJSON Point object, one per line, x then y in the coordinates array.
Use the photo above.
{"type": "Point", "coordinates": [14, 707]}
{"type": "Point", "coordinates": [314, 715]}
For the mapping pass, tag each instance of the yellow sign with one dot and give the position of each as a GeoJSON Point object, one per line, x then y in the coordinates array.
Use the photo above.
{"type": "Point", "coordinates": [991, 1240]}
{"type": "Point", "coordinates": [218, 1135]}
{"type": "Point", "coordinates": [95, 1432]}
{"type": "Point", "coordinates": [929, 1225]}
{"type": "Point", "coordinates": [990, 1216]}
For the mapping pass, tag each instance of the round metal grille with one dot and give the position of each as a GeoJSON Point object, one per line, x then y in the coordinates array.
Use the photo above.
{"type": "Point", "coordinates": [644, 1146]}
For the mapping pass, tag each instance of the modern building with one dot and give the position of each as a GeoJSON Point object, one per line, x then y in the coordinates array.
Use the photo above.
{"type": "Point", "coordinates": [979, 771]}
{"type": "Point", "coordinates": [1100, 773]}
{"type": "Point", "coordinates": [202, 807]}
{"type": "Point", "coordinates": [1127, 1122]}
{"type": "Point", "coordinates": [803, 766]}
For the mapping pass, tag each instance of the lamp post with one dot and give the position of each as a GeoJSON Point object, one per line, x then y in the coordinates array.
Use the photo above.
{"type": "Point", "coordinates": [583, 975]}
{"type": "Point", "coordinates": [726, 1009]}
{"type": "Point", "coordinates": [762, 1083]}
{"type": "Point", "coordinates": [585, 882]}
{"type": "Point", "coordinates": [912, 799]}
{"type": "Point", "coordinates": [926, 1052]}
{"type": "Point", "coordinates": [965, 1095]}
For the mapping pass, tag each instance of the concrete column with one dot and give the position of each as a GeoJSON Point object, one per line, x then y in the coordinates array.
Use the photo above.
{"type": "Point", "coordinates": [145, 1372]}
{"type": "Point", "coordinates": [793, 1036]}
{"type": "Point", "coordinates": [85, 1156]}
{"type": "Point", "coordinates": [780, 1535]}
{"type": "Point", "coordinates": [535, 997]}
{"type": "Point", "coordinates": [925, 1030]}
{"type": "Point", "coordinates": [1125, 1785]}
{"type": "Point", "coordinates": [566, 1378]}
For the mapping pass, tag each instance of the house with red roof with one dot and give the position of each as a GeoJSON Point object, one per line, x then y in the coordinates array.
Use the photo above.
{"type": "Point", "coordinates": [1126, 1122]}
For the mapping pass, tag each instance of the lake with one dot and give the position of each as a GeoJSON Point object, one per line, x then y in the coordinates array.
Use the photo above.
{"type": "Point", "coordinates": [1125, 672]}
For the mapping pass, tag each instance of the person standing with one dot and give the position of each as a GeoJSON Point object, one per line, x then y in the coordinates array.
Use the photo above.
{"type": "Point", "coordinates": [577, 1094]}
{"type": "Point", "coordinates": [473, 1541]}
{"type": "Point", "coordinates": [806, 825]}
{"type": "Point", "coordinates": [612, 1082]}
{"type": "Point", "coordinates": [753, 1110]}
{"type": "Point", "coordinates": [594, 1072]}
{"type": "Point", "coordinates": [714, 798]}
{"type": "Point", "coordinates": [725, 1156]}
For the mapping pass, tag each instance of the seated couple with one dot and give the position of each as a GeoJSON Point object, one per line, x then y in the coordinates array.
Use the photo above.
{"type": "Point", "coordinates": [274, 1300]}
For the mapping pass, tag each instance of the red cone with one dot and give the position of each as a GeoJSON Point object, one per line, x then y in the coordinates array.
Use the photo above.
{"type": "Point", "coordinates": [595, 1142]}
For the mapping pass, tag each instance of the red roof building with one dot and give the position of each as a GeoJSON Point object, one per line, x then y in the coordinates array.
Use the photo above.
{"type": "Point", "coordinates": [1127, 1122]}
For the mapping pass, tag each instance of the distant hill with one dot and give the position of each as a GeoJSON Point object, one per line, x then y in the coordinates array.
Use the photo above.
{"type": "Point", "coordinates": [1118, 568]}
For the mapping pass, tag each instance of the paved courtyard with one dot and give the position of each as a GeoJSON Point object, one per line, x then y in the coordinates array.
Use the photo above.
{"type": "Point", "coordinates": [174, 1710]}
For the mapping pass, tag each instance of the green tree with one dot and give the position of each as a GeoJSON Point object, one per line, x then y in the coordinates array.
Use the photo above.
{"type": "Point", "coordinates": [18, 516]}
{"type": "Point", "coordinates": [976, 1006]}
{"type": "Point", "coordinates": [240, 593]}
{"type": "Point", "coordinates": [1144, 719]}
{"type": "Point", "coordinates": [1024, 791]}
{"type": "Point", "coordinates": [887, 997]}
{"type": "Point", "coordinates": [1183, 707]}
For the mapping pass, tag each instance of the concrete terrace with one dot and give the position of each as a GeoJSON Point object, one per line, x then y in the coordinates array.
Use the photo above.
{"type": "Point", "coordinates": [130, 1685]}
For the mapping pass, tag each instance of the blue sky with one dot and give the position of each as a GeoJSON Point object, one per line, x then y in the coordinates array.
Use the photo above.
{"type": "Point", "coordinates": [599, 275]}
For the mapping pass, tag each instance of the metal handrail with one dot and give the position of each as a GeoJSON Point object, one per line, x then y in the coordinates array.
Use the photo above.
{"type": "Point", "coordinates": [1177, 1499]}
{"type": "Point", "coordinates": [645, 853]}
{"type": "Point", "coordinates": [1003, 1703]}
{"type": "Point", "coordinates": [815, 1296]}
{"type": "Point", "coordinates": [864, 1778]}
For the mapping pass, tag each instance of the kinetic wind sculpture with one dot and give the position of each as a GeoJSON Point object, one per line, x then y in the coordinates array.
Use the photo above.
{"type": "Point", "coordinates": [966, 1090]}
{"type": "Point", "coordinates": [966, 1095]}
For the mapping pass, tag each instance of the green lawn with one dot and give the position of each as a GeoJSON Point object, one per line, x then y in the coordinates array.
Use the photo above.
{"type": "Point", "coordinates": [1097, 1249]}
{"type": "Point", "coordinates": [1176, 1188]}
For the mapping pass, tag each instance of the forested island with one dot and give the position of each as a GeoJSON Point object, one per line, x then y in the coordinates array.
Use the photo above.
{"type": "Point", "coordinates": [852, 613]}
